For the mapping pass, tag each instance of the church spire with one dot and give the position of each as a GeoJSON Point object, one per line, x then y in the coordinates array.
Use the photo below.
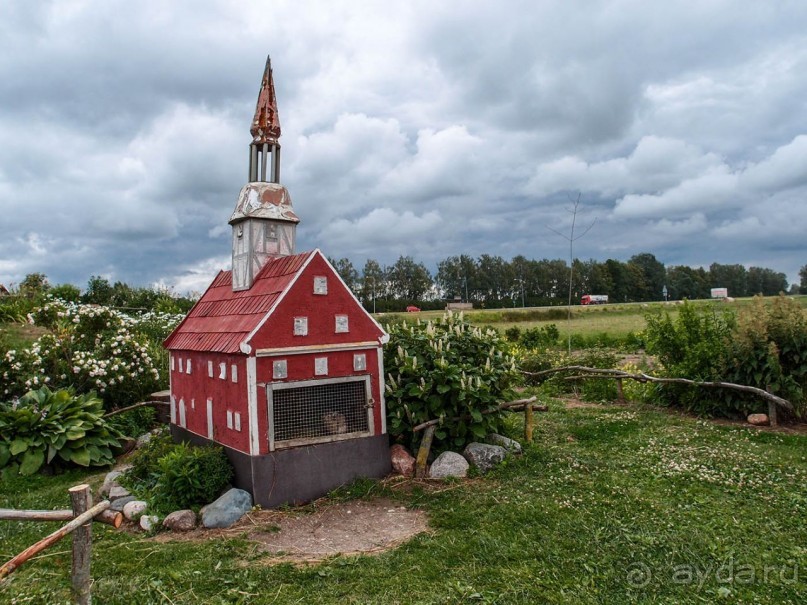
{"type": "Point", "coordinates": [265, 133]}
{"type": "Point", "coordinates": [266, 124]}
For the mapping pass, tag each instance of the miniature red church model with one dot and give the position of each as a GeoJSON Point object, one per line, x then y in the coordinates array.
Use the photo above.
{"type": "Point", "coordinates": [278, 362]}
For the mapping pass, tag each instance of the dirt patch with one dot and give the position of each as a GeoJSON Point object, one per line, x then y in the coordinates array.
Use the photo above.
{"type": "Point", "coordinates": [316, 532]}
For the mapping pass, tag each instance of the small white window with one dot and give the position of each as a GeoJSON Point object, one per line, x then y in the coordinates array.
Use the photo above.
{"type": "Point", "coordinates": [359, 362]}
{"type": "Point", "coordinates": [209, 418]}
{"type": "Point", "coordinates": [341, 324]}
{"type": "Point", "coordinates": [193, 404]}
{"type": "Point", "coordinates": [300, 326]}
{"type": "Point", "coordinates": [188, 366]}
{"type": "Point", "coordinates": [229, 419]}
{"type": "Point", "coordinates": [320, 285]}
{"type": "Point", "coordinates": [173, 410]}
{"type": "Point", "coordinates": [180, 365]}
{"type": "Point", "coordinates": [279, 369]}
{"type": "Point", "coordinates": [223, 371]}
{"type": "Point", "coordinates": [182, 413]}
{"type": "Point", "coordinates": [234, 373]}
{"type": "Point", "coordinates": [320, 366]}
{"type": "Point", "coordinates": [172, 363]}
{"type": "Point", "coordinates": [237, 418]}
{"type": "Point", "coordinates": [210, 369]}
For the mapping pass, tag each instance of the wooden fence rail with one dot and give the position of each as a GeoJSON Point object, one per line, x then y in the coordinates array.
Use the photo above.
{"type": "Point", "coordinates": [80, 526]}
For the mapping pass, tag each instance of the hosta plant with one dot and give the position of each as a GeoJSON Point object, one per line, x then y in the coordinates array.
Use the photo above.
{"type": "Point", "coordinates": [444, 370]}
{"type": "Point", "coordinates": [44, 427]}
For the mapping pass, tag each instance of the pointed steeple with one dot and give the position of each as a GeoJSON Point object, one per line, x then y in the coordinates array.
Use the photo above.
{"type": "Point", "coordinates": [264, 223]}
{"type": "Point", "coordinates": [266, 123]}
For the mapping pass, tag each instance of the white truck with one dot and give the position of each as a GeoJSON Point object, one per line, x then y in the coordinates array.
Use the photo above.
{"type": "Point", "coordinates": [594, 299]}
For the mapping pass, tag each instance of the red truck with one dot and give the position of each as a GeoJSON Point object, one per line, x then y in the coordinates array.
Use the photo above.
{"type": "Point", "coordinates": [594, 299]}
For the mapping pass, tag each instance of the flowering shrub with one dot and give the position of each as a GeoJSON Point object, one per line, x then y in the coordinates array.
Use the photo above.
{"type": "Point", "coordinates": [442, 370]}
{"type": "Point", "coordinates": [90, 347]}
{"type": "Point", "coordinates": [43, 424]}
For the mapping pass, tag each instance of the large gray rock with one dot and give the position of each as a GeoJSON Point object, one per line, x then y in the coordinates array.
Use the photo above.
{"type": "Point", "coordinates": [449, 464]}
{"type": "Point", "coordinates": [484, 456]}
{"type": "Point", "coordinates": [180, 520]}
{"type": "Point", "coordinates": [511, 445]}
{"type": "Point", "coordinates": [110, 481]}
{"type": "Point", "coordinates": [118, 504]}
{"type": "Point", "coordinates": [116, 492]}
{"type": "Point", "coordinates": [228, 509]}
{"type": "Point", "coordinates": [134, 509]}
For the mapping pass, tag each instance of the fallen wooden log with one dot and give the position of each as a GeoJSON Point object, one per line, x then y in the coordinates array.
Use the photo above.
{"type": "Point", "coordinates": [141, 404]}
{"type": "Point", "coordinates": [110, 517]}
{"type": "Point", "coordinates": [518, 403]}
{"type": "Point", "coordinates": [643, 378]}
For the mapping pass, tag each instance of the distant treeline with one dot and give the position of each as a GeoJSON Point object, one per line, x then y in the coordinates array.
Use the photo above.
{"type": "Point", "coordinates": [493, 282]}
{"type": "Point", "coordinates": [487, 282]}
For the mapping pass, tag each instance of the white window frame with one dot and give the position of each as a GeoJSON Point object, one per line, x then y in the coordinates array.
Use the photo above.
{"type": "Point", "coordinates": [320, 366]}
{"type": "Point", "coordinates": [234, 373]}
{"type": "Point", "coordinates": [222, 371]}
{"type": "Point", "coordinates": [359, 362]}
{"type": "Point", "coordinates": [300, 326]}
{"type": "Point", "coordinates": [229, 419]}
{"type": "Point", "coordinates": [341, 324]}
{"type": "Point", "coordinates": [280, 369]}
{"type": "Point", "coordinates": [210, 368]}
{"type": "Point", "coordinates": [320, 285]}
{"type": "Point", "coordinates": [188, 365]}
{"type": "Point", "coordinates": [237, 421]}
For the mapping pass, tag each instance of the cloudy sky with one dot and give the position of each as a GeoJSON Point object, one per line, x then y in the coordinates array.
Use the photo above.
{"type": "Point", "coordinates": [422, 128]}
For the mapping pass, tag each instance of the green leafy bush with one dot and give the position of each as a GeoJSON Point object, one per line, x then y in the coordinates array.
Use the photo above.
{"type": "Point", "coordinates": [177, 475]}
{"type": "Point", "coordinates": [512, 334]}
{"type": "Point", "coordinates": [765, 348]}
{"type": "Point", "coordinates": [769, 351]}
{"type": "Point", "coordinates": [442, 370]}
{"type": "Point", "coordinates": [44, 425]}
{"type": "Point", "coordinates": [693, 345]}
{"type": "Point", "coordinates": [190, 476]}
{"type": "Point", "coordinates": [536, 338]}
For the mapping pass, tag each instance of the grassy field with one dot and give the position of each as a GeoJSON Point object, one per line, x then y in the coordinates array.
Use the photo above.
{"type": "Point", "coordinates": [608, 505]}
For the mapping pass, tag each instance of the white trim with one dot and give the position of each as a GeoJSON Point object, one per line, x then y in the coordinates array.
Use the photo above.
{"type": "Point", "coordinates": [382, 402]}
{"type": "Point", "coordinates": [252, 405]}
{"type": "Point", "coordinates": [210, 418]}
{"type": "Point", "coordinates": [384, 338]}
{"type": "Point", "coordinates": [279, 300]}
{"type": "Point", "coordinates": [369, 344]}
{"type": "Point", "coordinates": [245, 346]}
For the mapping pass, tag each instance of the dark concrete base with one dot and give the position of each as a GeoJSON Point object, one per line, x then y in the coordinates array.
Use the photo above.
{"type": "Point", "coordinates": [301, 474]}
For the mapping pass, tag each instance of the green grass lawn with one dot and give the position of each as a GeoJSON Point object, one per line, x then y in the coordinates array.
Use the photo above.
{"type": "Point", "coordinates": [609, 505]}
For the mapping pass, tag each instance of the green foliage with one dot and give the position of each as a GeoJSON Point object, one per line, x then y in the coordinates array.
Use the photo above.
{"type": "Point", "coordinates": [769, 351]}
{"type": "Point", "coordinates": [536, 338]}
{"type": "Point", "coordinates": [190, 476]}
{"type": "Point", "coordinates": [693, 346]}
{"type": "Point", "coordinates": [43, 425]}
{"type": "Point", "coordinates": [135, 422]}
{"type": "Point", "coordinates": [556, 384]}
{"type": "Point", "coordinates": [441, 370]}
{"type": "Point", "coordinates": [66, 292]}
{"type": "Point", "coordinates": [90, 347]}
{"type": "Point", "coordinates": [513, 334]}
{"type": "Point", "coordinates": [177, 475]}
{"type": "Point", "coordinates": [765, 348]}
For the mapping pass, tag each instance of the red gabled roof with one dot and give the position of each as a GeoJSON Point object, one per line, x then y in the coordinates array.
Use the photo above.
{"type": "Point", "coordinates": [222, 319]}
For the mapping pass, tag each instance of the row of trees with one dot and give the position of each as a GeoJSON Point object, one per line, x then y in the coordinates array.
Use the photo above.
{"type": "Point", "coordinates": [487, 281]}
{"type": "Point", "coordinates": [491, 281]}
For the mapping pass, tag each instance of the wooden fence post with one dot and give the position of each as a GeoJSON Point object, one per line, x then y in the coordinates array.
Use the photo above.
{"type": "Point", "coordinates": [620, 394]}
{"type": "Point", "coordinates": [528, 423]}
{"type": "Point", "coordinates": [81, 500]}
{"type": "Point", "coordinates": [423, 452]}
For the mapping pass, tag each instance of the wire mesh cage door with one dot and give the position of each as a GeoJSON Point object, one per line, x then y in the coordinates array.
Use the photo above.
{"type": "Point", "coordinates": [319, 411]}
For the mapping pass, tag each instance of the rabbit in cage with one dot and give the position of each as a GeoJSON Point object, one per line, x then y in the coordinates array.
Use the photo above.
{"type": "Point", "coordinates": [334, 422]}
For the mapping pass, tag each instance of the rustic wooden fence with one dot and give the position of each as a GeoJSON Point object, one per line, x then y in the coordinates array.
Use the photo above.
{"type": "Point", "coordinates": [528, 406]}
{"type": "Point", "coordinates": [80, 519]}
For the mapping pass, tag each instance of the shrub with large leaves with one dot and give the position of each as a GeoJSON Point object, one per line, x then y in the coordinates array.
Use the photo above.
{"type": "Point", "coordinates": [44, 425]}
{"type": "Point", "coordinates": [443, 370]}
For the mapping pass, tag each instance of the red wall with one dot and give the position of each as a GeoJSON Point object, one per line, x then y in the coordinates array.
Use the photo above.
{"type": "Point", "coordinates": [320, 310]}
{"type": "Point", "coordinates": [197, 387]}
{"type": "Point", "coordinates": [301, 367]}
